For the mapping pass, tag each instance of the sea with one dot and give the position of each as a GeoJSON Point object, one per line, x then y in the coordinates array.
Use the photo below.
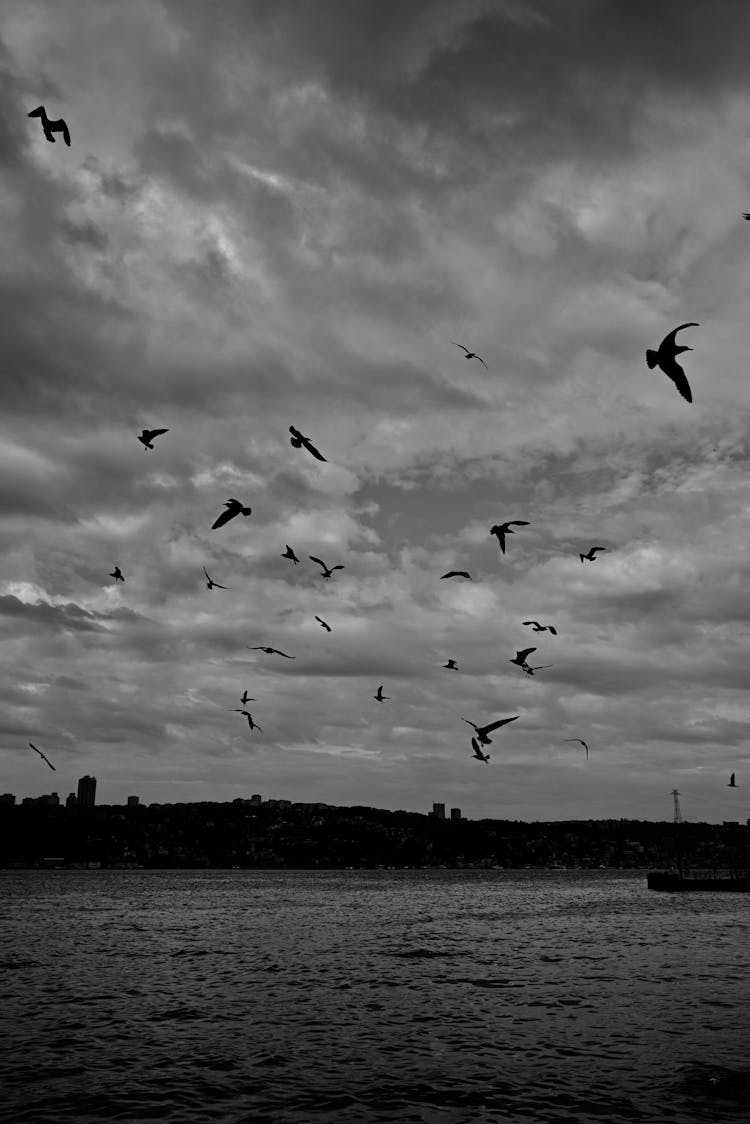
{"type": "Point", "coordinates": [366, 997]}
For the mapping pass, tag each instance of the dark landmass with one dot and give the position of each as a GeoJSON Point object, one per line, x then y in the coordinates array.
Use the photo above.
{"type": "Point", "coordinates": [309, 836]}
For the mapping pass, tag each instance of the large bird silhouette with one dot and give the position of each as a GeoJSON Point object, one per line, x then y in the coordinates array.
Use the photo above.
{"type": "Point", "coordinates": [665, 359]}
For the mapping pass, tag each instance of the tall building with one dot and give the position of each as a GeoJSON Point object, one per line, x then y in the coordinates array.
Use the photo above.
{"type": "Point", "coordinates": [455, 813]}
{"type": "Point", "coordinates": [7, 798]}
{"type": "Point", "coordinates": [133, 801]}
{"type": "Point", "coordinates": [86, 792]}
{"type": "Point", "coordinates": [438, 811]}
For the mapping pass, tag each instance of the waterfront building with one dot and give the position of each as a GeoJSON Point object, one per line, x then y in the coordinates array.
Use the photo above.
{"type": "Point", "coordinates": [87, 791]}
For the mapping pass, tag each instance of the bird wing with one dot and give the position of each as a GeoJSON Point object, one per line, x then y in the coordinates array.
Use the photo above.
{"type": "Point", "coordinates": [311, 449]}
{"type": "Point", "coordinates": [477, 751]}
{"type": "Point", "coordinates": [496, 725]}
{"type": "Point", "coordinates": [533, 622]}
{"type": "Point", "coordinates": [338, 566]}
{"type": "Point", "coordinates": [157, 432]}
{"type": "Point", "coordinates": [217, 586]}
{"type": "Point", "coordinates": [318, 560]}
{"type": "Point", "coordinates": [66, 133]}
{"type": "Point", "coordinates": [286, 657]}
{"type": "Point", "coordinates": [225, 517]}
{"type": "Point", "coordinates": [461, 346]}
{"type": "Point", "coordinates": [479, 357]}
{"type": "Point", "coordinates": [674, 371]}
{"type": "Point", "coordinates": [468, 722]}
{"type": "Point", "coordinates": [518, 523]}
{"type": "Point", "coordinates": [255, 647]}
{"type": "Point", "coordinates": [524, 653]}
{"type": "Point", "coordinates": [670, 336]}
{"type": "Point", "coordinates": [551, 628]}
{"type": "Point", "coordinates": [595, 548]}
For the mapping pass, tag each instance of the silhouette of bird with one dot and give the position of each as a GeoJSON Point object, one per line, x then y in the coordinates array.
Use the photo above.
{"type": "Point", "coordinates": [380, 696]}
{"type": "Point", "coordinates": [52, 767]}
{"type": "Point", "coordinates": [478, 753]}
{"type": "Point", "coordinates": [299, 441]}
{"type": "Point", "coordinates": [520, 658]}
{"type": "Point", "coordinates": [233, 507]}
{"type": "Point", "coordinates": [591, 556]}
{"type": "Point", "coordinates": [269, 651]}
{"type": "Point", "coordinates": [530, 670]}
{"type": "Point", "coordinates": [289, 553]}
{"type": "Point", "coordinates": [327, 571]}
{"type": "Point", "coordinates": [248, 715]}
{"type": "Point", "coordinates": [483, 731]}
{"type": "Point", "coordinates": [451, 665]}
{"type": "Point", "coordinates": [457, 574]}
{"type": "Point", "coordinates": [327, 627]}
{"type": "Point", "coordinates": [117, 574]}
{"type": "Point", "coordinates": [503, 529]}
{"type": "Point", "coordinates": [210, 583]}
{"type": "Point", "coordinates": [469, 354]}
{"type": "Point", "coordinates": [147, 436]}
{"type": "Point", "coordinates": [542, 627]}
{"type": "Point", "coordinates": [746, 215]}
{"type": "Point", "coordinates": [665, 358]}
{"type": "Point", "coordinates": [583, 743]}
{"type": "Point", "coordinates": [51, 127]}
{"type": "Point", "coordinates": [730, 785]}
{"type": "Point", "coordinates": [246, 698]}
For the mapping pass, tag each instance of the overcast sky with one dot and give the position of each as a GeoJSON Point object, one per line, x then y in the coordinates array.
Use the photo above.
{"type": "Point", "coordinates": [279, 213]}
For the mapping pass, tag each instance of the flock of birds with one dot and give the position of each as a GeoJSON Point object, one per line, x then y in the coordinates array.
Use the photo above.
{"type": "Point", "coordinates": [665, 358]}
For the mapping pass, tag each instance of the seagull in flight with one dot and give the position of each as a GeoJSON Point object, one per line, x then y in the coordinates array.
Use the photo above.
{"type": "Point", "coordinates": [269, 651]}
{"type": "Point", "coordinates": [451, 665]}
{"type": "Point", "coordinates": [591, 556]}
{"type": "Point", "coordinates": [320, 621]}
{"type": "Point", "coordinates": [542, 627]}
{"type": "Point", "coordinates": [730, 785]}
{"type": "Point", "coordinates": [52, 767]}
{"type": "Point", "coordinates": [530, 670]}
{"type": "Point", "coordinates": [380, 696]}
{"type": "Point", "coordinates": [289, 553]}
{"type": "Point", "coordinates": [483, 731]}
{"type": "Point", "coordinates": [469, 354]}
{"type": "Point", "coordinates": [233, 507]}
{"type": "Point", "coordinates": [51, 127]}
{"type": "Point", "coordinates": [326, 570]}
{"type": "Point", "coordinates": [299, 441]}
{"type": "Point", "coordinates": [478, 753]}
{"type": "Point", "coordinates": [457, 574]}
{"type": "Point", "coordinates": [210, 583]}
{"type": "Point", "coordinates": [117, 574]}
{"type": "Point", "coordinates": [246, 698]}
{"type": "Point", "coordinates": [582, 742]}
{"type": "Point", "coordinates": [666, 359]}
{"type": "Point", "coordinates": [248, 715]}
{"type": "Point", "coordinates": [520, 659]}
{"type": "Point", "coordinates": [147, 436]}
{"type": "Point", "coordinates": [503, 529]}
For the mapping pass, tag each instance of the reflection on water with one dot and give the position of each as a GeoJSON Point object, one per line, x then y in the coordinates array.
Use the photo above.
{"type": "Point", "coordinates": [369, 996]}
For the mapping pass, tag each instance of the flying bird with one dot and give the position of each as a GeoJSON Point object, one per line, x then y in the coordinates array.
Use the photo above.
{"type": "Point", "coordinates": [469, 354]}
{"type": "Point", "coordinates": [326, 570]}
{"type": "Point", "coordinates": [478, 753]}
{"type": "Point", "coordinates": [503, 529]}
{"type": "Point", "coordinates": [666, 359]}
{"type": "Point", "coordinates": [591, 556]}
{"type": "Point", "coordinates": [52, 767]}
{"type": "Point", "coordinates": [289, 553]}
{"type": "Point", "coordinates": [483, 731]}
{"type": "Point", "coordinates": [269, 651]}
{"type": "Point", "coordinates": [730, 785]}
{"type": "Point", "coordinates": [320, 621]}
{"type": "Point", "coordinates": [248, 715]}
{"type": "Point", "coordinates": [210, 583]}
{"type": "Point", "coordinates": [542, 627]}
{"type": "Point", "coordinates": [583, 743]}
{"type": "Point", "coordinates": [233, 507]}
{"type": "Point", "coordinates": [246, 698]}
{"type": "Point", "coordinates": [117, 574]}
{"type": "Point", "coordinates": [530, 670]}
{"type": "Point", "coordinates": [457, 574]}
{"type": "Point", "coordinates": [51, 127]}
{"type": "Point", "coordinates": [380, 696]}
{"type": "Point", "coordinates": [451, 665]}
{"type": "Point", "coordinates": [299, 441]}
{"type": "Point", "coordinates": [147, 436]}
{"type": "Point", "coordinates": [520, 658]}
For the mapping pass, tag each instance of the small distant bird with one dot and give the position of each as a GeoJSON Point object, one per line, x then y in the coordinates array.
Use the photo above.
{"type": "Point", "coordinates": [380, 696]}
{"type": "Point", "coordinates": [211, 584]}
{"type": "Point", "coordinates": [299, 441]}
{"type": "Point", "coordinates": [327, 571]}
{"type": "Point", "coordinates": [52, 767]}
{"type": "Point", "coordinates": [246, 698]}
{"type": "Point", "coordinates": [483, 731]}
{"type": "Point", "coordinates": [542, 627]}
{"type": "Point", "coordinates": [591, 556]}
{"type": "Point", "coordinates": [583, 743]}
{"type": "Point", "coordinates": [248, 715]}
{"type": "Point", "coordinates": [269, 651]}
{"type": "Point", "coordinates": [117, 574]}
{"type": "Point", "coordinates": [233, 507]}
{"type": "Point", "coordinates": [666, 359]}
{"type": "Point", "coordinates": [289, 553]}
{"type": "Point", "coordinates": [520, 658]}
{"type": "Point", "coordinates": [469, 354]}
{"type": "Point", "coordinates": [148, 435]}
{"type": "Point", "coordinates": [503, 529]}
{"type": "Point", "coordinates": [478, 753]}
{"type": "Point", "coordinates": [457, 574]}
{"type": "Point", "coordinates": [51, 127]}
{"type": "Point", "coordinates": [730, 785]}
{"type": "Point", "coordinates": [320, 621]}
{"type": "Point", "coordinates": [451, 665]}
